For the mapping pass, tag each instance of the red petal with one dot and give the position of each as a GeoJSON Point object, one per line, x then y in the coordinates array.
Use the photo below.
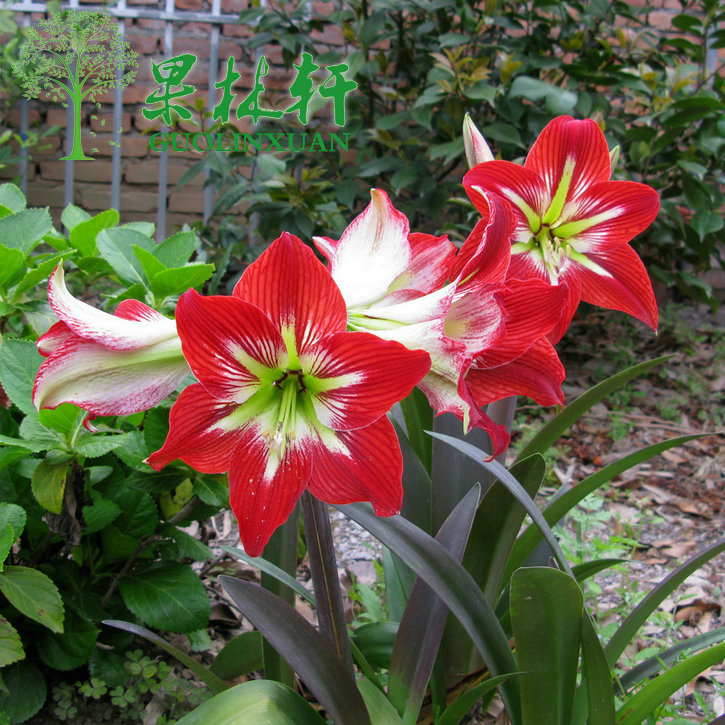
{"type": "Point", "coordinates": [54, 338]}
{"type": "Point", "coordinates": [365, 465]}
{"type": "Point", "coordinates": [135, 310]}
{"type": "Point", "coordinates": [532, 309]}
{"type": "Point", "coordinates": [228, 344]}
{"type": "Point", "coordinates": [294, 290]}
{"type": "Point", "coordinates": [430, 262]}
{"type": "Point", "coordinates": [263, 489]}
{"type": "Point", "coordinates": [632, 207]}
{"type": "Point", "coordinates": [520, 186]}
{"type": "Point", "coordinates": [538, 374]}
{"type": "Point", "coordinates": [628, 289]}
{"type": "Point", "coordinates": [487, 251]}
{"type": "Point", "coordinates": [564, 139]}
{"type": "Point", "coordinates": [195, 434]}
{"type": "Point", "coordinates": [374, 375]}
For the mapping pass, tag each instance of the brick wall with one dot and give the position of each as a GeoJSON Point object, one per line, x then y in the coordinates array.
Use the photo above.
{"type": "Point", "coordinates": [140, 164]}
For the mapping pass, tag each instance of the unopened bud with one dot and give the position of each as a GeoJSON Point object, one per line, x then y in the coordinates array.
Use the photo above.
{"type": "Point", "coordinates": [477, 150]}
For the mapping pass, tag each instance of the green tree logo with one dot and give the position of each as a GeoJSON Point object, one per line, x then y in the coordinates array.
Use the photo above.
{"type": "Point", "coordinates": [75, 55]}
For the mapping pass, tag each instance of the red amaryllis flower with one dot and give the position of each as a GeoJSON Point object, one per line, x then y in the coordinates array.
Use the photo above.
{"type": "Point", "coordinates": [573, 222]}
{"type": "Point", "coordinates": [287, 399]}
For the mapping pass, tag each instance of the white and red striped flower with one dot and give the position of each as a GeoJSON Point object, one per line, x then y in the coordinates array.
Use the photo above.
{"type": "Point", "coordinates": [106, 364]}
{"type": "Point", "coordinates": [413, 288]}
{"type": "Point", "coordinates": [287, 399]}
{"type": "Point", "coordinates": [573, 222]}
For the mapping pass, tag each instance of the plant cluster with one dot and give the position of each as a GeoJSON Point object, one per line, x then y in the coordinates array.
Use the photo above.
{"type": "Point", "coordinates": [658, 95]}
{"type": "Point", "coordinates": [286, 385]}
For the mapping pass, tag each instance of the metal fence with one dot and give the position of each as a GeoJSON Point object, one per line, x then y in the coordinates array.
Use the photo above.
{"type": "Point", "coordinates": [171, 17]}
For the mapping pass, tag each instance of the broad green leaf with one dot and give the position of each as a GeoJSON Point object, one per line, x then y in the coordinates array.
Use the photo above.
{"type": "Point", "coordinates": [274, 571]}
{"type": "Point", "coordinates": [14, 516]}
{"type": "Point", "coordinates": [167, 596]}
{"type": "Point", "coordinates": [380, 709]}
{"type": "Point", "coordinates": [36, 447]}
{"type": "Point", "coordinates": [64, 419]}
{"type": "Point", "coordinates": [32, 430]}
{"type": "Point", "coordinates": [309, 654]}
{"type": "Point", "coordinates": [12, 267]}
{"type": "Point", "coordinates": [151, 265]}
{"type": "Point", "coordinates": [116, 247]}
{"type": "Point", "coordinates": [239, 656]}
{"type": "Point", "coordinates": [636, 709]}
{"type": "Point", "coordinates": [189, 546]}
{"type": "Point", "coordinates": [83, 235]}
{"type": "Point", "coordinates": [256, 701]}
{"type": "Point", "coordinates": [176, 250]}
{"type": "Point", "coordinates": [212, 491]}
{"type": "Point", "coordinates": [93, 446]}
{"type": "Point", "coordinates": [639, 615]}
{"type": "Point", "coordinates": [39, 274]}
{"type": "Point", "coordinates": [72, 216]}
{"type": "Point", "coordinates": [12, 198]}
{"type": "Point", "coordinates": [451, 582]}
{"type": "Point", "coordinates": [48, 484]}
{"type": "Point", "coordinates": [175, 281]}
{"type": "Point", "coordinates": [19, 363]}
{"type": "Point", "coordinates": [34, 594]}
{"type": "Point", "coordinates": [26, 691]}
{"type": "Point", "coordinates": [11, 648]}
{"type": "Point", "coordinates": [212, 681]}
{"type": "Point", "coordinates": [546, 610]}
{"type": "Point", "coordinates": [458, 709]}
{"type": "Point", "coordinates": [7, 539]}
{"type": "Point", "coordinates": [139, 514]}
{"type": "Point", "coordinates": [71, 648]}
{"type": "Point", "coordinates": [26, 229]}
{"type": "Point", "coordinates": [558, 508]}
{"type": "Point", "coordinates": [652, 665]}
{"type": "Point", "coordinates": [421, 628]}
{"type": "Point", "coordinates": [549, 434]}
{"type": "Point", "coordinates": [145, 228]}
{"type": "Point", "coordinates": [102, 513]}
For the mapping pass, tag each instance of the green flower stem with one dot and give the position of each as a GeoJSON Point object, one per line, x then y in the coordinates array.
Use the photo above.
{"type": "Point", "coordinates": [281, 550]}
{"type": "Point", "coordinates": [323, 566]}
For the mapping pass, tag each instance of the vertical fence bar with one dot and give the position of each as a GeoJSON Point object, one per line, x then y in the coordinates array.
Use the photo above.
{"type": "Point", "coordinates": [164, 158]}
{"type": "Point", "coordinates": [117, 121]}
{"type": "Point", "coordinates": [24, 123]}
{"type": "Point", "coordinates": [213, 68]}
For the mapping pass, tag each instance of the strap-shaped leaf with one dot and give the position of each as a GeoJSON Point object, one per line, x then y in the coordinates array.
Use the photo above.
{"type": "Point", "coordinates": [558, 508]}
{"type": "Point", "coordinates": [457, 710]}
{"type": "Point", "coordinates": [256, 701]}
{"type": "Point", "coordinates": [546, 612]}
{"type": "Point", "coordinates": [452, 583]}
{"type": "Point", "coordinates": [553, 430]}
{"type": "Point", "coordinates": [303, 647]}
{"type": "Point", "coordinates": [421, 628]}
{"type": "Point", "coordinates": [636, 709]}
{"type": "Point", "coordinates": [639, 615]}
{"type": "Point", "coordinates": [214, 683]}
{"type": "Point", "coordinates": [594, 697]}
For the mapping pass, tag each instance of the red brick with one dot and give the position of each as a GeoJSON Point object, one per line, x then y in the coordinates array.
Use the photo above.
{"type": "Point", "coordinates": [10, 173]}
{"type": "Point", "coordinates": [93, 198]}
{"type": "Point", "coordinates": [237, 30]}
{"type": "Point", "coordinates": [174, 222]}
{"type": "Point", "coordinates": [104, 122]}
{"type": "Point", "coordinates": [150, 23]}
{"type": "Point", "coordinates": [143, 44]}
{"type": "Point", "coordinates": [14, 117]}
{"type": "Point", "coordinates": [58, 117]}
{"type": "Point", "coordinates": [189, 4]}
{"type": "Point", "coordinates": [142, 123]}
{"type": "Point", "coordinates": [234, 6]}
{"type": "Point", "coordinates": [95, 171]}
{"type": "Point", "coordinates": [135, 93]}
{"type": "Point", "coordinates": [661, 20]}
{"type": "Point", "coordinates": [183, 201]}
{"type": "Point", "coordinates": [42, 194]}
{"type": "Point", "coordinates": [331, 35]}
{"type": "Point", "coordinates": [141, 172]}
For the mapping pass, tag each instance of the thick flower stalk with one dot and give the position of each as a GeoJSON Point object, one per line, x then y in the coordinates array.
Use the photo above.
{"type": "Point", "coordinates": [573, 222]}
{"type": "Point", "coordinates": [413, 288]}
{"type": "Point", "coordinates": [287, 399]}
{"type": "Point", "coordinates": [106, 364]}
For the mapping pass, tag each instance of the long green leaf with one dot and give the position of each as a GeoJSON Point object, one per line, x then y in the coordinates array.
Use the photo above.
{"type": "Point", "coordinates": [418, 416]}
{"type": "Point", "coordinates": [303, 647]}
{"type": "Point", "coordinates": [452, 583]}
{"type": "Point", "coordinates": [379, 707]}
{"type": "Point", "coordinates": [558, 508]}
{"type": "Point", "coordinates": [421, 628]}
{"type": "Point", "coordinates": [594, 701]}
{"type": "Point", "coordinates": [273, 570]}
{"type": "Point", "coordinates": [457, 710]}
{"type": "Point", "coordinates": [553, 430]}
{"type": "Point", "coordinates": [215, 684]}
{"type": "Point", "coordinates": [636, 709]}
{"type": "Point", "coordinates": [652, 665]}
{"type": "Point", "coordinates": [256, 701]}
{"type": "Point", "coordinates": [546, 612]}
{"type": "Point", "coordinates": [639, 615]}
{"type": "Point", "coordinates": [505, 477]}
